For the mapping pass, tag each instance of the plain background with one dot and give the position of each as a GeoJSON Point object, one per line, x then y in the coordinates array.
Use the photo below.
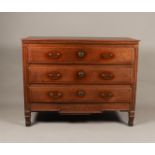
{"type": "Point", "coordinates": [14, 26]}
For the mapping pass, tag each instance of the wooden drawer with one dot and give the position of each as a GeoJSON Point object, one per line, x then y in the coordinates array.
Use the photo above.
{"type": "Point", "coordinates": [80, 74]}
{"type": "Point", "coordinates": [74, 54]}
{"type": "Point", "coordinates": [80, 93]}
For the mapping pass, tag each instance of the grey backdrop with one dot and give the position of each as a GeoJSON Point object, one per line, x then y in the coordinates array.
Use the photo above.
{"type": "Point", "coordinates": [14, 26]}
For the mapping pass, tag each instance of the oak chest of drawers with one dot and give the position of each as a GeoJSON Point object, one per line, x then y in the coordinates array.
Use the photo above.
{"type": "Point", "coordinates": [79, 75]}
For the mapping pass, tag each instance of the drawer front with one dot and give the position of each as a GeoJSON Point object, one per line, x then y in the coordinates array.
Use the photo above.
{"type": "Point", "coordinates": [80, 74]}
{"type": "Point", "coordinates": [92, 54]}
{"type": "Point", "coordinates": [80, 93]}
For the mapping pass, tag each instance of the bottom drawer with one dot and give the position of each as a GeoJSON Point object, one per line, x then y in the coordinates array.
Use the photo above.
{"type": "Point", "coordinates": [80, 93]}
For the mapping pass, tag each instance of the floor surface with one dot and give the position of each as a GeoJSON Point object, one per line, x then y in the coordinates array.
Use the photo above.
{"type": "Point", "coordinates": [50, 127]}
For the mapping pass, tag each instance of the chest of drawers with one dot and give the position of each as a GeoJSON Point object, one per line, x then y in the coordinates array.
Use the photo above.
{"type": "Point", "coordinates": [79, 75]}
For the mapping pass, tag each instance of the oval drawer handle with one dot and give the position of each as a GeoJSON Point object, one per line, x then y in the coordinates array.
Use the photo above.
{"type": "Point", "coordinates": [54, 55]}
{"type": "Point", "coordinates": [55, 94]}
{"type": "Point", "coordinates": [107, 75]}
{"type": "Point", "coordinates": [80, 93]}
{"type": "Point", "coordinates": [107, 55]}
{"type": "Point", "coordinates": [81, 54]}
{"type": "Point", "coordinates": [81, 74]}
{"type": "Point", "coordinates": [106, 94]}
{"type": "Point", "coordinates": [54, 75]}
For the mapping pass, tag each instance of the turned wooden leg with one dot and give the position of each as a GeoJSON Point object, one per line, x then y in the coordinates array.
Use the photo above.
{"type": "Point", "coordinates": [27, 118]}
{"type": "Point", "coordinates": [131, 115]}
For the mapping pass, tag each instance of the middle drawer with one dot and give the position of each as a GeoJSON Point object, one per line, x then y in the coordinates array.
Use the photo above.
{"type": "Point", "coordinates": [81, 74]}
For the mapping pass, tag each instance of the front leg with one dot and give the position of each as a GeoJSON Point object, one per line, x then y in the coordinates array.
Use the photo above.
{"type": "Point", "coordinates": [131, 115]}
{"type": "Point", "coordinates": [27, 118]}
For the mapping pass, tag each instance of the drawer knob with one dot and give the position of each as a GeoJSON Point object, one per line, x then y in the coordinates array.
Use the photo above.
{"type": "Point", "coordinates": [54, 75]}
{"type": "Point", "coordinates": [54, 55]}
{"type": "Point", "coordinates": [55, 94]}
{"type": "Point", "coordinates": [107, 75]}
{"type": "Point", "coordinates": [107, 55]}
{"type": "Point", "coordinates": [80, 93]}
{"type": "Point", "coordinates": [81, 54]}
{"type": "Point", "coordinates": [81, 74]}
{"type": "Point", "coordinates": [106, 94]}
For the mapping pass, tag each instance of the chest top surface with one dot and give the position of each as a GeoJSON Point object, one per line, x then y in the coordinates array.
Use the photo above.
{"type": "Point", "coordinates": [86, 40]}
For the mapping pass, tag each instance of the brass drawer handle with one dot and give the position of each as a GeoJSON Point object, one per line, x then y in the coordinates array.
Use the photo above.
{"type": "Point", "coordinates": [54, 75]}
{"type": "Point", "coordinates": [107, 55]}
{"type": "Point", "coordinates": [106, 94]}
{"type": "Point", "coordinates": [55, 94]}
{"type": "Point", "coordinates": [80, 93]}
{"type": "Point", "coordinates": [81, 54]}
{"type": "Point", "coordinates": [54, 55]}
{"type": "Point", "coordinates": [81, 74]}
{"type": "Point", "coordinates": [107, 75]}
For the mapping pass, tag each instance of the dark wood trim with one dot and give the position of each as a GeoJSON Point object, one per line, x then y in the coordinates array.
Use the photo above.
{"type": "Point", "coordinates": [102, 107]}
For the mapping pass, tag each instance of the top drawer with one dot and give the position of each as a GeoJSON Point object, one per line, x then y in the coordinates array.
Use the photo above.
{"type": "Point", "coordinates": [76, 54]}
